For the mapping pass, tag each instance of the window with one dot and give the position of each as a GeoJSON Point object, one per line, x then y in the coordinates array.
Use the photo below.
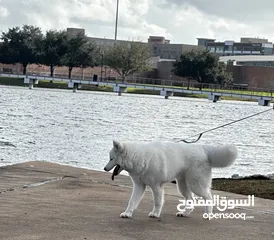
{"type": "Point", "coordinates": [256, 49]}
{"type": "Point", "coordinates": [238, 48]}
{"type": "Point", "coordinates": [267, 51]}
{"type": "Point", "coordinates": [247, 48]}
{"type": "Point", "coordinates": [228, 48]}
{"type": "Point", "coordinates": [219, 48]}
{"type": "Point", "coordinates": [7, 70]}
{"type": "Point", "coordinates": [211, 49]}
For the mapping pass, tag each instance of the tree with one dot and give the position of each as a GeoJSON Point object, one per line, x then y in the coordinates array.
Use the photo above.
{"type": "Point", "coordinates": [1, 53]}
{"type": "Point", "coordinates": [88, 55]}
{"type": "Point", "coordinates": [128, 58]}
{"type": "Point", "coordinates": [200, 65]}
{"type": "Point", "coordinates": [6, 56]}
{"type": "Point", "coordinates": [80, 53]}
{"type": "Point", "coordinates": [222, 76]}
{"type": "Point", "coordinates": [22, 45]}
{"type": "Point", "coordinates": [55, 46]}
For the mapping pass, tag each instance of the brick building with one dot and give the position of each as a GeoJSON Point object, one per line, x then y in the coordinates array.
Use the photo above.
{"type": "Point", "coordinates": [253, 77]}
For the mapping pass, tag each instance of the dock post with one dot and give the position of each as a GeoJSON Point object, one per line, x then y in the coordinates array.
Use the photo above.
{"type": "Point", "coordinates": [214, 97]}
{"type": "Point", "coordinates": [30, 81]}
{"type": "Point", "coordinates": [264, 102]}
{"type": "Point", "coordinates": [119, 89]}
{"type": "Point", "coordinates": [166, 93]}
{"type": "Point", "coordinates": [75, 87]}
{"type": "Point", "coordinates": [30, 84]}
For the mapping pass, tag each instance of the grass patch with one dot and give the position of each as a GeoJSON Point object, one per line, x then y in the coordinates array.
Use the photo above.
{"type": "Point", "coordinates": [142, 91]}
{"type": "Point", "coordinates": [239, 99]}
{"type": "Point", "coordinates": [47, 84]}
{"type": "Point", "coordinates": [12, 81]}
{"type": "Point", "coordinates": [97, 88]}
{"type": "Point", "coordinates": [263, 188]}
{"type": "Point", "coordinates": [190, 95]}
{"type": "Point", "coordinates": [245, 92]}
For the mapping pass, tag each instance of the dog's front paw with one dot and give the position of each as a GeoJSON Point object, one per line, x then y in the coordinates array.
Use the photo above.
{"type": "Point", "coordinates": [153, 215]}
{"type": "Point", "coordinates": [184, 213]}
{"type": "Point", "coordinates": [126, 215]}
{"type": "Point", "coordinates": [181, 214]}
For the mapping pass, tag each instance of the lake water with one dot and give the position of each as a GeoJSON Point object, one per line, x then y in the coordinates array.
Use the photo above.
{"type": "Point", "coordinates": [78, 128]}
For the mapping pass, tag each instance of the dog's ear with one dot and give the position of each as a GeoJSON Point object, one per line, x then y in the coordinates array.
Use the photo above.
{"type": "Point", "coordinates": [118, 146]}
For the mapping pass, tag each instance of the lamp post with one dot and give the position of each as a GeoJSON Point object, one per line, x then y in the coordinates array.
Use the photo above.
{"type": "Point", "coordinates": [102, 64]}
{"type": "Point", "coordinates": [190, 71]}
{"type": "Point", "coordinates": [116, 23]}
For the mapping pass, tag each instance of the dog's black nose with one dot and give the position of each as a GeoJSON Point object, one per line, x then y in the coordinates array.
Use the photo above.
{"type": "Point", "coordinates": [105, 169]}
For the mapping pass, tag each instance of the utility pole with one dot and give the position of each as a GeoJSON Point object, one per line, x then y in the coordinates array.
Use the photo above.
{"type": "Point", "coordinates": [116, 23]}
{"type": "Point", "coordinates": [102, 65]}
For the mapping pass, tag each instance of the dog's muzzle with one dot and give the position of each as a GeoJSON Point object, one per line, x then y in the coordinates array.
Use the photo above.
{"type": "Point", "coordinates": [109, 166]}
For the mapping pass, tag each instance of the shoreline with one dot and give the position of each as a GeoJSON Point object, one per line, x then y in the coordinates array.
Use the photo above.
{"type": "Point", "coordinates": [54, 85]}
{"type": "Point", "coordinates": [257, 185]}
{"type": "Point", "coordinates": [269, 176]}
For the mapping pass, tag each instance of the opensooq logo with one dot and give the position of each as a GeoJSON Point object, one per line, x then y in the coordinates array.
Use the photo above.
{"type": "Point", "coordinates": [221, 203]}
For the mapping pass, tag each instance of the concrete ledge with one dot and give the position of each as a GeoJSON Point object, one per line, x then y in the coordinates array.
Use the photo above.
{"type": "Point", "coordinates": [41, 200]}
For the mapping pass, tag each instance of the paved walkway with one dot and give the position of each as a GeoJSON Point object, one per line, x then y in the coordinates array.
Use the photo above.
{"type": "Point", "coordinates": [41, 200]}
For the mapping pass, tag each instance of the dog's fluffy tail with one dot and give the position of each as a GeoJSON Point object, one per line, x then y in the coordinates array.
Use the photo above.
{"type": "Point", "coordinates": [221, 156]}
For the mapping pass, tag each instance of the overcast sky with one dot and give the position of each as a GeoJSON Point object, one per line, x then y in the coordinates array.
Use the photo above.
{"type": "Point", "coordinates": [181, 21]}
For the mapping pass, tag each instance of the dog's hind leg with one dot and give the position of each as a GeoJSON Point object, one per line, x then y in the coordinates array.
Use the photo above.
{"type": "Point", "coordinates": [136, 196]}
{"type": "Point", "coordinates": [206, 195]}
{"type": "Point", "coordinates": [158, 198]}
{"type": "Point", "coordinates": [183, 189]}
{"type": "Point", "coordinates": [201, 187]}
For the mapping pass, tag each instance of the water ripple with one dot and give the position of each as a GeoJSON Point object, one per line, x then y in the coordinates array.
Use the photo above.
{"type": "Point", "coordinates": [78, 129]}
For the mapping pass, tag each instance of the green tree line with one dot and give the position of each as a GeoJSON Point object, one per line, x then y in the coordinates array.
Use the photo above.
{"type": "Point", "coordinates": [202, 66]}
{"type": "Point", "coordinates": [28, 45]}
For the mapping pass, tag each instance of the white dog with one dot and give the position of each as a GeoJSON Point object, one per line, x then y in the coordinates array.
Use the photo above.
{"type": "Point", "coordinates": [155, 163]}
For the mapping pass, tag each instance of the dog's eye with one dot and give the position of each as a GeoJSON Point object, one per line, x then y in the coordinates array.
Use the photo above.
{"type": "Point", "coordinates": [111, 159]}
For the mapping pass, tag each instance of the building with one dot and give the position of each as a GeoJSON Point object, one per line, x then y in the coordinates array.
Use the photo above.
{"type": "Point", "coordinates": [253, 40]}
{"type": "Point", "coordinates": [247, 46]}
{"type": "Point", "coordinates": [72, 32]}
{"type": "Point", "coordinates": [253, 78]}
{"type": "Point", "coordinates": [160, 46]}
{"type": "Point", "coordinates": [154, 40]}
{"type": "Point", "coordinates": [172, 51]}
{"type": "Point", "coordinates": [249, 60]}
{"type": "Point", "coordinates": [205, 41]}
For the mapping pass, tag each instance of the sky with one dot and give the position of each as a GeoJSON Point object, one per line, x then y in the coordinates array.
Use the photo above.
{"type": "Point", "coordinates": [181, 21]}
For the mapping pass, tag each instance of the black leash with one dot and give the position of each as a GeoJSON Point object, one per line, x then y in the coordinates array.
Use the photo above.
{"type": "Point", "coordinates": [239, 120]}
